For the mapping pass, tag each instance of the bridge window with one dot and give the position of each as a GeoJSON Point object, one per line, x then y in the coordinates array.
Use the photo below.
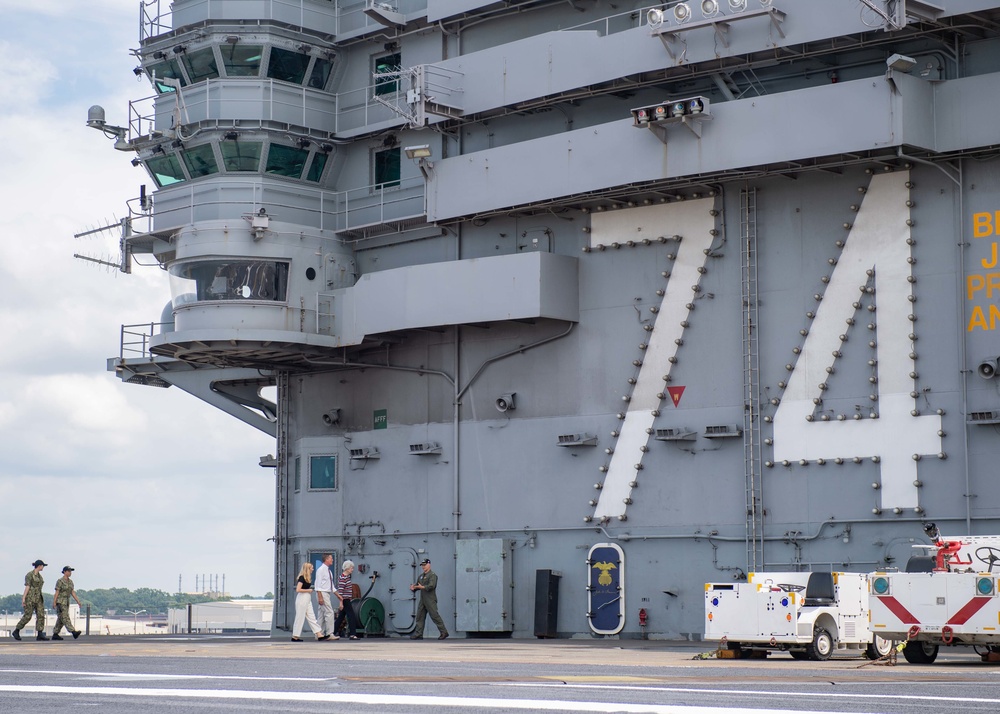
{"type": "Point", "coordinates": [322, 472]}
{"type": "Point", "coordinates": [241, 60]}
{"type": "Point", "coordinates": [387, 65]}
{"type": "Point", "coordinates": [228, 279]}
{"type": "Point", "coordinates": [286, 160]}
{"type": "Point", "coordinates": [320, 74]}
{"type": "Point", "coordinates": [165, 170]}
{"type": "Point", "coordinates": [200, 64]}
{"type": "Point", "coordinates": [241, 155]}
{"type": "Point", "coordinates": [316, 168]}
{"type": "Point", "coordinates": [386, 169]}
{"type": "Point", "coordinates": [200, 161]}
{"type": "Point", "coordinates": [166, 70]}
{"type": "Point", "coordinates": [287, 66]}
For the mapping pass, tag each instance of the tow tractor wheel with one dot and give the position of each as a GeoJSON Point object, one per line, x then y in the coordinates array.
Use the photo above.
{"type": "Point", "coordinates": [821, 648]}
{"type": "Point", "coordinates": [879, 647]}
{"type": "Point", "coordinates": [920, 652]}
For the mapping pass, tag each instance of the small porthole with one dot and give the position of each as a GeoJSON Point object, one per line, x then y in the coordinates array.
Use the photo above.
{"type": "Point", "coordinates": [311, 273]}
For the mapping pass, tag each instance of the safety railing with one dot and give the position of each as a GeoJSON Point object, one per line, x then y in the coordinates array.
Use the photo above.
{"type": "Point", "coordinates": [230, 197]}
{"type": "Point", "coordinates": [135, 339]}
{"type": "Point", "coordinates": [343, 18]}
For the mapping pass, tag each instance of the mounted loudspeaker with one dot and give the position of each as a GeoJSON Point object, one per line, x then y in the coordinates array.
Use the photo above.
{"type": "Point", "coordinates": [332, 417]}
{"type": "Point", "coordinates": [988, 368]}
{"type": "Point", "coordinates": [505, 402]}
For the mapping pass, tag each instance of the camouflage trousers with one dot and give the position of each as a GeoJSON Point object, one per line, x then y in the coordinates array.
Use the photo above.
{"type": "Point", "coordinates": [63, 619]}
{"type": "Point", "coordinates": [33, 606]}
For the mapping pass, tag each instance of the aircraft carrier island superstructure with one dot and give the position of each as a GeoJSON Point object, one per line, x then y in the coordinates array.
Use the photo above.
{"type": "Point", "coordinates": [590, 303]}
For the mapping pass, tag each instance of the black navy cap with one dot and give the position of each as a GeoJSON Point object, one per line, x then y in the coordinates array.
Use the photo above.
{"type": "Point", "coordinates": [66, 567]}
{"type": "Point", "coordinates": [37, 563]}
{"type": "Point", "coordinates": [425, 561]}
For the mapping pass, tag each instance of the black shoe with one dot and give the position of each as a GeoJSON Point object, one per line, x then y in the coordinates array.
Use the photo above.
{"type": "Point", "coordinates": [41, 636]}
{"type": "Point", "coordinates": [55, 636]}
{"type": "Point", "coordinates": [16, 634]}
{"type": "Point", "coordinates": [416, 637]}
{"type": "Point", "coordinates": [76, 634]}
{"type": "Point", "coordinates": [443, 636]}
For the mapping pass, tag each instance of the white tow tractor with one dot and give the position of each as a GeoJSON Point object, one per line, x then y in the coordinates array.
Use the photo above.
{"type": "Point", "coordinates": [808, 615]}
{"type": "Point", "coordinates": [946, 598]}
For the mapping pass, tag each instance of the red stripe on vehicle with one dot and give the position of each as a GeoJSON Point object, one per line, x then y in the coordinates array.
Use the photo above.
{"type": "Point", "coordinates": [968, 610]}
{"type": "Point", "coordinates": [897, 609]}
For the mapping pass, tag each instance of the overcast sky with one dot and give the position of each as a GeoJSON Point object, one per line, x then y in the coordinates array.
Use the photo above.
{"type": "Point", "coordinates": [131, 485]}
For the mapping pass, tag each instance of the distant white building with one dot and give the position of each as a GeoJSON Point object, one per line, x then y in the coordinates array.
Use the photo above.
{"type": "Point", "coordinates": [228, 616]}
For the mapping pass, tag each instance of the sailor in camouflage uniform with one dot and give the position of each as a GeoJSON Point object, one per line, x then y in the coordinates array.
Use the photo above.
{"type": "Point", "coordinates": [65, 589]}
{"type": "Point", "coordinates": [33, 603]}
{"type": "Point", "coordinates": [427, 585]}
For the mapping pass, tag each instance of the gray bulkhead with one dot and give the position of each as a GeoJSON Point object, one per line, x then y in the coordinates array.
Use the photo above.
{"type": "Point", "coordinates": [652, 309]}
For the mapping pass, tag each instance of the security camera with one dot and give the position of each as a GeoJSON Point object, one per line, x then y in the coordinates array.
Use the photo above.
{"type": "Point", "coordinates": [332, 417]}
{"type": "Point", "coordinates": [505, 402]}
{"type": "Point", "coordinates": [988, 368]}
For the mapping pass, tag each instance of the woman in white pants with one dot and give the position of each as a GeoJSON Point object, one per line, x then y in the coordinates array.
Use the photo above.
{"type": "Point", "coordinates": [304, 606]}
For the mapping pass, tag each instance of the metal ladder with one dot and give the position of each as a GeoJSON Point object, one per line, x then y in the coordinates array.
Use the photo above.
{"type": "Point", "coordinates": [751, 382]}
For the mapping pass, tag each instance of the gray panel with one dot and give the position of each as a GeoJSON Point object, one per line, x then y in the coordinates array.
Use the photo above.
{"type": "Point", "coordinates": [467, 585]}
{"type": "Point", "coordinates": [482, 585]}
{"type": "Point", "coordinates": [567, 60]}
{"type": "Point", "coordinates": [742, 134]}
{"type": "Point", "coordinates": [509, 287]}
{"type": "Point", "coordinates": [494, 586]}
{"type": "Point", "coordinates": [963, 112]}
{"type": "Point", "coordinates": [441, 9]}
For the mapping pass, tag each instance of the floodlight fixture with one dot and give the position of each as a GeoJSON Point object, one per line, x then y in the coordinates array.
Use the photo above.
{"type": "Point", "coordinates": [682, 12]}
{"type": "Point", "coordinates": [901, 62]}
{"type": "Point", "coordinates": [654, 17]}
{"type": "Point", "coordinates": [737, 5]}
{"type": "Point", "coordinates": [709, 8]}
{"type": "Point", "coordinates": [423, 151]}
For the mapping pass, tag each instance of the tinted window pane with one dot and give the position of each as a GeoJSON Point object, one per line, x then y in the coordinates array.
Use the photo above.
{"type": "Point", "coordinates": [298, 473]}
{"type": "Point", "coordinates": [316, 168]}
{"type": "Point", "coordinates": [323, 472]}
{"type": "Point", "coordinates": [241, 155]}
{"type": "Point", "coordinates": [200, 64]}
{"type": "Point", "coordinates": [287, 66]}
{"type": "Point", "coordinates": [241, 60]}
{"type": "Point", "coordinates": [286, 160]}
{"type": "Point", "coordinates": [385, 65]}
{"type": "Point", "coordinates": [203, 280]}
{"type": "Point", "coordinates": [387, 168]}
{"type": "Point", "coordinates": [165, 170]}
{"type": "Point", "coordinates": [166, 70]}
{"type": "Point", "coordinates": [321, 73]}
{"type": "Point", "coordinates": [200, 161]}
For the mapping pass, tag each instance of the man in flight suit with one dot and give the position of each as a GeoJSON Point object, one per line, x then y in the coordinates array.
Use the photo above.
{"type": "Point", "coordinates": [32, 602]}
{"type": "Point", "coordinates": [64, 589]}
{"type": "Point", "coordinates": [427, 585]}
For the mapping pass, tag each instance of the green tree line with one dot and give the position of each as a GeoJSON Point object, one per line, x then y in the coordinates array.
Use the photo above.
{"type": "Point", "coordinates": [105, 601]}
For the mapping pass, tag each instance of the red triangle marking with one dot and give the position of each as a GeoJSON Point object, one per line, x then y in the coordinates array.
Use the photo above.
{"type": "Point", "coordinates": [675, 394]}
